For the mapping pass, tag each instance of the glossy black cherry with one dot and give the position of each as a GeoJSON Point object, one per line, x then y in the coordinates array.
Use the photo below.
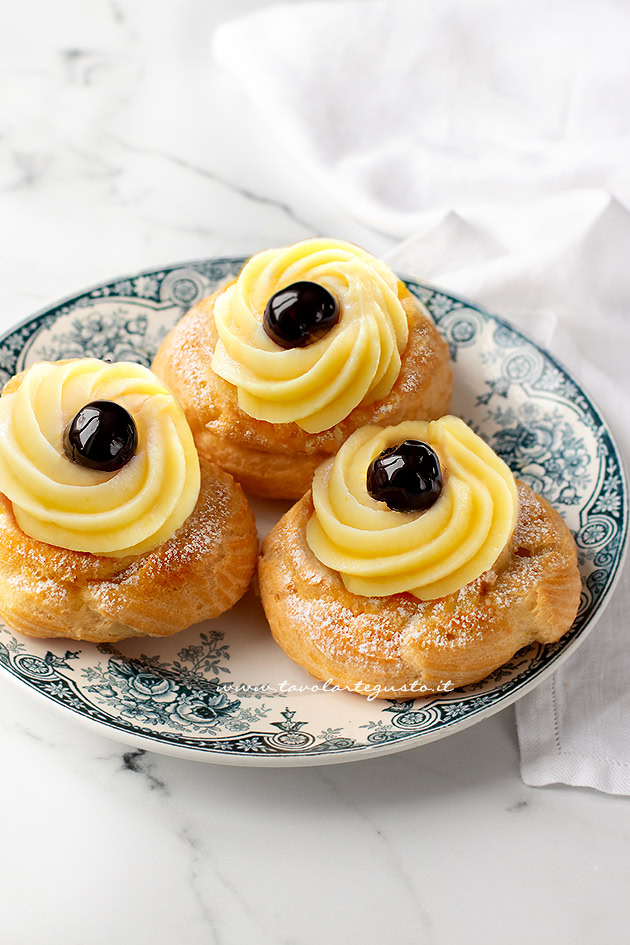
{"type": "Point", "coordinates": [408, 478]}
{"type": "Point", "coordinates": [300, 314]}
{"type": "Point", "coordinates": [102, 436]}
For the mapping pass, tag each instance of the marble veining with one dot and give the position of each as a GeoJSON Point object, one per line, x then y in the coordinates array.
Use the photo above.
{"type": "Point", "coordinates": [223, 182]}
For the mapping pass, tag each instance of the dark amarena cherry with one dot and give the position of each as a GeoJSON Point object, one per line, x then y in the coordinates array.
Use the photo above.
{"type": "Point", "coordinates": [408, 478]}
{"type": "Point", "coordinates": [300, 314]}
{"type": "Point", "coordinates": [102, 436]}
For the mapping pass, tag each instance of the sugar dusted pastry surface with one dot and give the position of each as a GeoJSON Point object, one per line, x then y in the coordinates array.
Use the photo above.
{"type": "Point", "coordinates": [430, 554]}
{"type": "Point", "coordinates": [129, 511]}
{"type": "Point", "coordinates": [317, 386]}
{"type": "Point", "coordinates": [278, 460]}
{"type": "Point", "coordinates": [399, 646]}
{"type": "Point", "coordinates": [197, 574]}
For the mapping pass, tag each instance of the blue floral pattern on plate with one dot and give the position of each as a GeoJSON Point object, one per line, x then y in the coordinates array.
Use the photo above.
{"type": "Point", "coordinates": [223, 691]}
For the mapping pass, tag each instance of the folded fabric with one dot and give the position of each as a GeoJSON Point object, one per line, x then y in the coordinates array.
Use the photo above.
{"type": "Point", "coordinates": [402, 107]}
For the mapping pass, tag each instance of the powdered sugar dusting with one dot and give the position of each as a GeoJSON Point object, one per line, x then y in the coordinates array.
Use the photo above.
{"type": "Point", "coordinates": [49, 590]}
{"type": "Point", "coordinates": [198, 537]}
{"type": "Point", "coordinates": [365, 631]}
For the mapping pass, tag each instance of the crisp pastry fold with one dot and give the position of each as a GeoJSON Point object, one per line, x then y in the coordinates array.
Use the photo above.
{"type": "Point", "coordinates": [401, 647]}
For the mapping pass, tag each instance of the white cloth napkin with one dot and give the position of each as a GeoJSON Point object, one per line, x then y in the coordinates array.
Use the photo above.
{"type": "Point", "coordinates": [494, 139]}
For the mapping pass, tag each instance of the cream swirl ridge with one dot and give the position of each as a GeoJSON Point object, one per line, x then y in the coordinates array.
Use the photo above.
{"type": "Point", "coordinates": [317, 386]}
{"type": "Point", "coordinates": [429, 554]}
{"type": "Point", "coordinates": [115, 514]}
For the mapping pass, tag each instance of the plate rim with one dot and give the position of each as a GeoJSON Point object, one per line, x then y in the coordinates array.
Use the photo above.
{"type": "Point", "coordinates": [363, 752]}
{"type": "Point", "coordinates": [343, 756]}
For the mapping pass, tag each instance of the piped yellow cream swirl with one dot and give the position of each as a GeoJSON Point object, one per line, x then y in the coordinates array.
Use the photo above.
{"type": "Point", "coordinates": [317, 386]}
{"type": "Point", "coordinates": [429, 554]}
{"type": "Point", "coordinates": [119, 513]}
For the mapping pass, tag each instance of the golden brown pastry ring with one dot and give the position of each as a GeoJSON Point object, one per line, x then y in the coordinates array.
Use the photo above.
{"type": "Point", "coordinates": [278, 460]}
{"type": "Point", "coordinates": [391, 647]}
{"type": "Point", "coordinates": [46, 591]}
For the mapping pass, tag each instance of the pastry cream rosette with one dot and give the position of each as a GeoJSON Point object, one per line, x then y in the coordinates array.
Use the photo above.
{"type": "Point", "coordinates": [316, 386]}
{"type": "Point", "coordinates": [115, 514]}
{"type": "Point", "coordinates": [379, 552]}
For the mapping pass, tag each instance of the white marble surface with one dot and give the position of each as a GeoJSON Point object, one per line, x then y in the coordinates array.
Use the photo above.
{"type": "Point", "coordinates": [120, 148]}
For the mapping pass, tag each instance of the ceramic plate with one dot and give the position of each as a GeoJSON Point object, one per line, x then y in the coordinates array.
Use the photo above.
{"type": "Point", "coordinates": [223, 691]}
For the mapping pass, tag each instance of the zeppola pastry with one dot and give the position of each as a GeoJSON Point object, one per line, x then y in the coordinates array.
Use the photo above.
{"type": "Point", "coordinates": [110, 526]}
{"type": "Point", "coordinates": [418, 564]}
{"type": "Point", "coordinates": [310, 343]}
